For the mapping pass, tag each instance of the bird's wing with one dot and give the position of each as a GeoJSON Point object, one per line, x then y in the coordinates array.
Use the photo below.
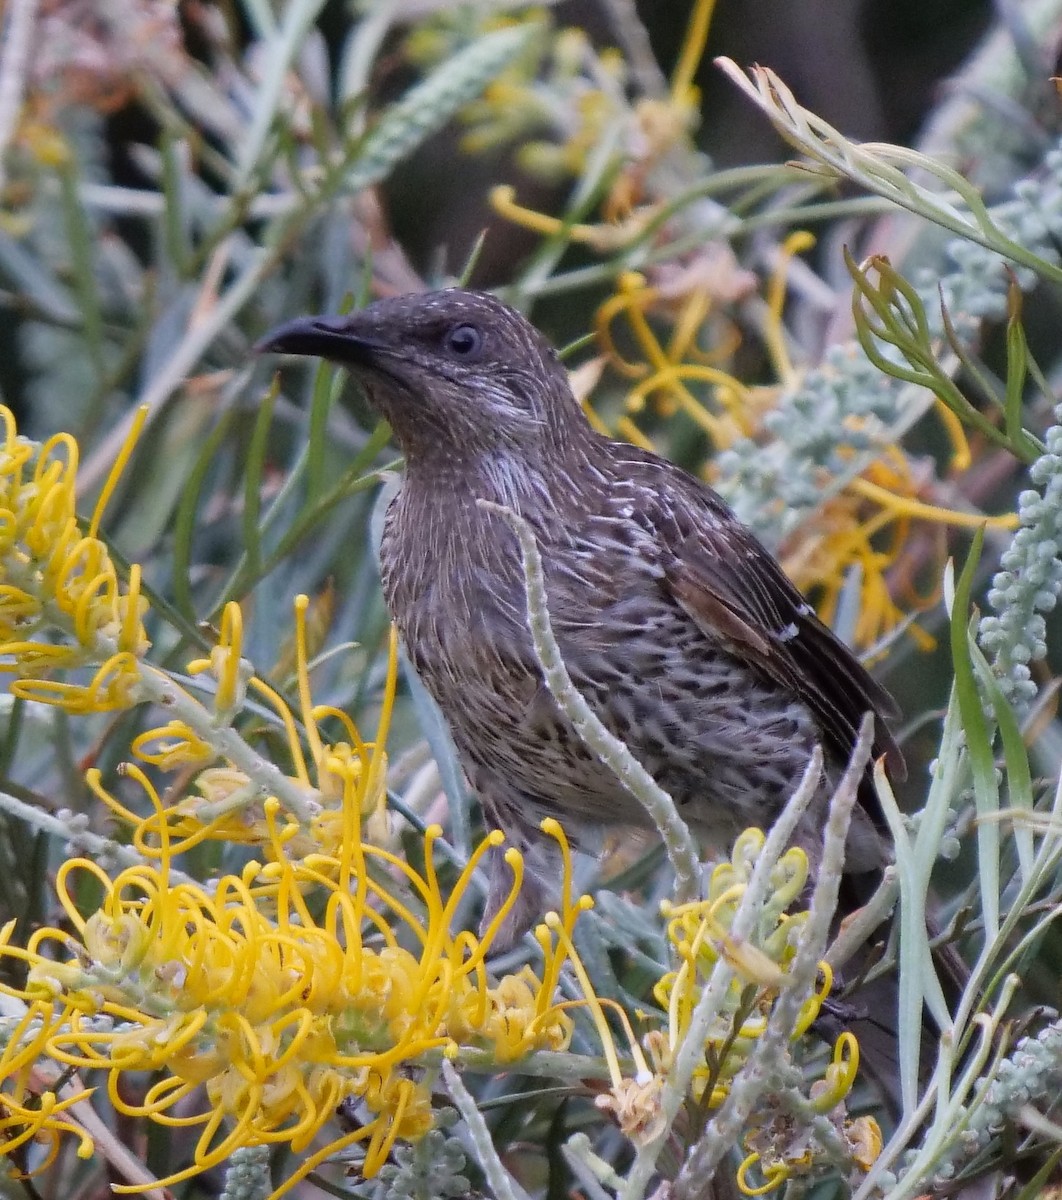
{"type": "Point", "coordinates": [734, 589]}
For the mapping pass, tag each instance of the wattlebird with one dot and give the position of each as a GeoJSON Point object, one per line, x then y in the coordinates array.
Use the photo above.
{"type": "Point", "coordinates": [677, 626]}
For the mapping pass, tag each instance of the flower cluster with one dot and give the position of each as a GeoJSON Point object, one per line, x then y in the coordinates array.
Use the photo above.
{"type": "Point", "coordinates": [277, 995]}
{"type": "Point", "coordinates": [780, 1143]}
{"type": "Point", "coordinates": [62, 603]}
{"type": "Point", "coordinates": [328, 974]}
{"type": "Point", "coordinates": [700, 936]}
{"type": "Point", "coordinates": [1029, 580]}
{"type": "Point", "coordinates": [699, 933]}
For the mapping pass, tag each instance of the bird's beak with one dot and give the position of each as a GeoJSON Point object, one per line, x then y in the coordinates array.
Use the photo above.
{"type": "Point", "coordinates": [321, 337]}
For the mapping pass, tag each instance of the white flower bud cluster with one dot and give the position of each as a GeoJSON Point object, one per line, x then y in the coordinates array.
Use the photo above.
{"type": "Point", "coordinates": [1029, 580]}
{"type": "Point", "coordinates": [247, 1176]}
{"type": "Point", "coordinates": [1031, 1072]}
{"type": "Point", "coordinates": [433, 1166]}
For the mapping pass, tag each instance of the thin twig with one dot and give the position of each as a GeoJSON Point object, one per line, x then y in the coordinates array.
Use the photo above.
{"type": "Point", "coordinates": [659, 806]}
{"type": "Point", "coordinates": [501, 1183]}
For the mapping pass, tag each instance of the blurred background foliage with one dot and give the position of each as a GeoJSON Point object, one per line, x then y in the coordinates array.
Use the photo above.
{"type": "Point", "coordinates": [175, 179]}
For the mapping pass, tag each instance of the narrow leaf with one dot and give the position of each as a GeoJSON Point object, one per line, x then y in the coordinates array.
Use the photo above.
{"type": "Point", "coordinates": [979, 745]}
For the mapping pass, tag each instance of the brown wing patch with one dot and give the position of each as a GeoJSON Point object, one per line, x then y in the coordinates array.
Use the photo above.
{"type": "Point", "coordinates": [736, 592]}
{"type": "Point", "coordinates": [712, 612]}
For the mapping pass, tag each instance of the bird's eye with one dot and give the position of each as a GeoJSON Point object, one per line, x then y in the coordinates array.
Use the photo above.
{"type": "Point", "coordinates": [464, 341]}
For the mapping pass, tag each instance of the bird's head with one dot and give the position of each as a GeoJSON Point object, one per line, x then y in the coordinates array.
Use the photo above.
{"type": "Point", "coordinates": [458, 374]}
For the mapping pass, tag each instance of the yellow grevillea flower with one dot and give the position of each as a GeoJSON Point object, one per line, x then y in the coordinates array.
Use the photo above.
{"type": "Point", "coordinates": [700, 935]}
{"type": "Point", "coordinates": [235, 784]}
{"type": "Point", "coordinates": [29, 1111]}
{"type": "Point", "coordinates": [664, 373]}
{"type": "Point", "coordinates": [62, 603]}
{"type": "Point", "coordinates": [780, 1147]}
{"type": "Point", "coordinates": [281, 991]}
{"type": "Point", "coordinates": [326, 970]}
{"type": "Point", "coordinates": [866, 528]}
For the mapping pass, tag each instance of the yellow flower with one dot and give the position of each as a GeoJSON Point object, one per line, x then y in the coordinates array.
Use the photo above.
{"type": "Point", "coordinates": [329, 970]}
{"type": "Point", "coordinates": [864, 1141]}
{"type": "Point", "coordinates": [700, 935]}
{"type": "Point", "coordinates": [226, 664]}
{"type": "Point", "coordinates": [778, 1146]}
{"type": "Point", "coordinates": [230, 797]}
{"type": "Point", "coordinates": [54, 579]}
{"type": "Point", "coordinates": [173, 745]}
{"type": "Point", "coordinates": [866, 528]}
{"type": "Point", "coordinates": [280, 1007]}
{"type": "Point", "coordinates": [665, 372]}
{"type": "Point", "coordinates": [516, 1022]}
{"type": "Point", "coordinates": [29, 1110]}
{"type": "Point", "coordinates": [326, 969]}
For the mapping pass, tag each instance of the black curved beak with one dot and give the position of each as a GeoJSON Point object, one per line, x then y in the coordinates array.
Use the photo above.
{"type": "Point", "coordinates": [320, 337]}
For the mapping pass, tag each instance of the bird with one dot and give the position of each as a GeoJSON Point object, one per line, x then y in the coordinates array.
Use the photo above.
{"type": "Point", "coordinates": [676, 624]}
